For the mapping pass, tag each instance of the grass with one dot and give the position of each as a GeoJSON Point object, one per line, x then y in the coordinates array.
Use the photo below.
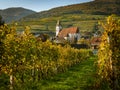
{"type": "Point", "coordinates": [79, 77]}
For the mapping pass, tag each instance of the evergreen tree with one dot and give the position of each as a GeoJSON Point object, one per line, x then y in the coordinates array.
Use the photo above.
{"type": "Point", "coordinates": [1, 21]}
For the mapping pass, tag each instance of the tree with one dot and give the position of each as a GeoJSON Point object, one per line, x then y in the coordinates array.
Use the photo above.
{"type": "Point", "coordinates": [1, 43]}
{"type": "Point", "coordinates": [1, 21]}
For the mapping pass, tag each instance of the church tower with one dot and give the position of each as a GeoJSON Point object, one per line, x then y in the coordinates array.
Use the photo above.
{"type": "Point", "coordinates": [58, 27]}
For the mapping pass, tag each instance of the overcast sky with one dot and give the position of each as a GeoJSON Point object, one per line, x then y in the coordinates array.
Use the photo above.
{"type": "Point", "coordinates": [38, 5]}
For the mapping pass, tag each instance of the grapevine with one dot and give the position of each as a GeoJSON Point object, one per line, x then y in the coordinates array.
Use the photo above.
{"type": "Point", "coordinates": [109, 53]}
{"type": "Point", "coordinates": [25, 59]}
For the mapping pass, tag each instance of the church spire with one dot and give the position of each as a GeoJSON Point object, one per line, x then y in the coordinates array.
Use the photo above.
{"type": "Point", "coordinates": [58, 23]}
{"type": "Point", "coordinates": [58, 27]}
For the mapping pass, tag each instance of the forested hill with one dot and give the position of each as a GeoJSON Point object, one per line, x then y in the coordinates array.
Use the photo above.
{"type": "Point", "coordinates": [96, 7]}
{"type": "Point", "coordinates": [12, 14]}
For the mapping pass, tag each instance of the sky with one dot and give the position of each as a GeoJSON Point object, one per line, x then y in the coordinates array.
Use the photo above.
{"type": "Point", "coordinates": [38, 5]}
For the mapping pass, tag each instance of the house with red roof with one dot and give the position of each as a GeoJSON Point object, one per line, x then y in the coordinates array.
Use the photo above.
{"type": "Point", "coordinates": [95, 42]}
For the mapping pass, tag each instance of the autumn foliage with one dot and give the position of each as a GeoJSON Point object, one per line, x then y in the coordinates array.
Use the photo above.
{"type": "Point", "coordinates": [24, 59]}
{"type": "Point", "coordinates": [109, 53]}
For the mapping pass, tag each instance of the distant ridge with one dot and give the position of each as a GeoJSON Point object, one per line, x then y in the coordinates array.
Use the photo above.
{"type": "Point", "coordinates": [96, 7]}
{"type": "Point", "coordinates": [15, 13]}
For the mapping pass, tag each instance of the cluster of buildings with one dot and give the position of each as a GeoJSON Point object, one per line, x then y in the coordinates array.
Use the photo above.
{"type": "Point", "coordinates": [72, 36]}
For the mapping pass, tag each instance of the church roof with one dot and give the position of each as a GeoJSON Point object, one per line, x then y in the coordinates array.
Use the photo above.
{"type": "Point", "coordinates": [66, 31]}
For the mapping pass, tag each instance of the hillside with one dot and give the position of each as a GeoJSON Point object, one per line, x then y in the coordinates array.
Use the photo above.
{"type": "Point", "coordinates": [13, 14]}
{"type": "Point", "coordinates": [83, 16]}
{"type": "Point", "coordinates": [97, 7]}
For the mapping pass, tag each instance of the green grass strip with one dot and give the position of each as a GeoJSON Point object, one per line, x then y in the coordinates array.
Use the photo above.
{"type": "Point", "coordinates": [79, 77]}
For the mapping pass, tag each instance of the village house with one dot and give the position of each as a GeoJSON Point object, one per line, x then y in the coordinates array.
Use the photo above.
{"type": "Point", "coordinates": [95, 42]}
{"type": "Point", "coordinates": [71, 35]}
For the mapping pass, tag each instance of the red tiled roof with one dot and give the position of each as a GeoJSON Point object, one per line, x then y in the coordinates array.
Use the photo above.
{"type": "Point", "coordinates": [66, 31]}
{"type": "Point", "coordinates": [95, 41]}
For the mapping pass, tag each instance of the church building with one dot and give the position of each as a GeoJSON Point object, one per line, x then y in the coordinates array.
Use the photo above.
{"type": "Point", "coordinates": [71, 34]}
